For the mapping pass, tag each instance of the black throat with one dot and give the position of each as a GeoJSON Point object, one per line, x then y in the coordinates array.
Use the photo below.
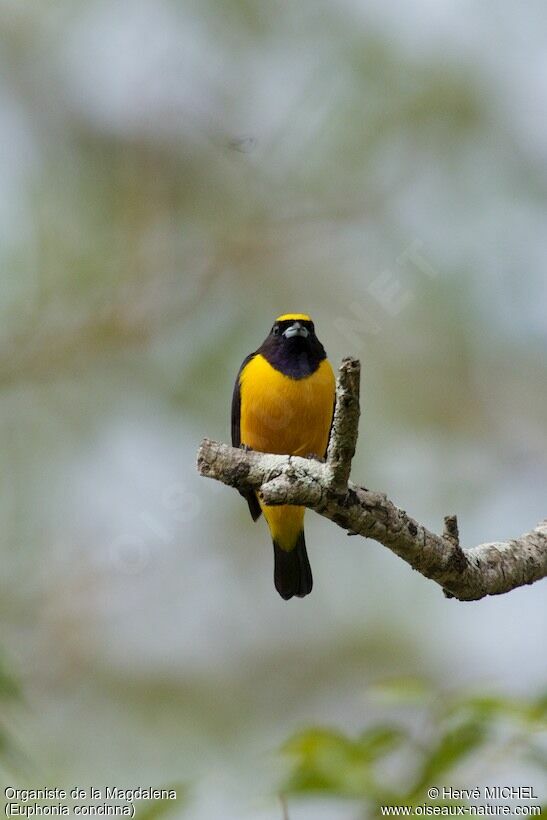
{"type": "Point", "coordinates": [297, 357]}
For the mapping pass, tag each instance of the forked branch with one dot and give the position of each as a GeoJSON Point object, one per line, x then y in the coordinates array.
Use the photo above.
{"type": "Point", "coordinates": [466, 574]}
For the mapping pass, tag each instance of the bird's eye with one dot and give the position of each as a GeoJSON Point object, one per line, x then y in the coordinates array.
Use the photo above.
{"type": "Point", "coordinates": [275, 330]}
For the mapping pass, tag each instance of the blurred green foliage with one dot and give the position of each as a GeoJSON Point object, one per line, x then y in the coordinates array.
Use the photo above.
{"type": "Point", "coordinates": [436, 739]}
{"type": "Point", "coordinates": [10, 694]}
{"type": "Point", "coordinates": [156, 809]}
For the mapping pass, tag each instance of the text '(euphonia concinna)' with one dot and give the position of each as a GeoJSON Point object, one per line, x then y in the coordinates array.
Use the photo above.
{"type": "Point", "coordinates": [283, 403]}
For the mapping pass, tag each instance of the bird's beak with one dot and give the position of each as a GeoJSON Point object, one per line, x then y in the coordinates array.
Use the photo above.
{"type": "Point", "coordinates": [296, 329]}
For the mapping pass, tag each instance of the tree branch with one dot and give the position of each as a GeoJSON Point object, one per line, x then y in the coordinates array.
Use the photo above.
{"type": "Point", "coordinates": [471, 574]}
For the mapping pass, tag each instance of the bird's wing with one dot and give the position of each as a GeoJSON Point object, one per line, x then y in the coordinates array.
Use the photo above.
{"type": "Point", "coordinates": [250, 497]}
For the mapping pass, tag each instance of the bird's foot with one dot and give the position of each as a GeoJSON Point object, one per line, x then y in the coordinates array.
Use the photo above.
{"type": "Point", "coordinates": [314, 457]}
{"type": "Point", "coordinates": [246, 448]}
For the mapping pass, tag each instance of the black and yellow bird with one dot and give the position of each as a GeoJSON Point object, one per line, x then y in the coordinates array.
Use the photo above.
{"type": "Point", "coordinates": [283, 403]}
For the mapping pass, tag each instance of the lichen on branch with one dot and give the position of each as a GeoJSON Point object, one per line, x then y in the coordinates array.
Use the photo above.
{"type": "Point", "coordinates": [465, 574]}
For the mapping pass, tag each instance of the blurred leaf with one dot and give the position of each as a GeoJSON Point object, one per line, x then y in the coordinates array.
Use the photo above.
{"type": "Point", "coordinates": [9, 689]}
{"type": "Point", "coordinates": [456, 744]}
{"type": "Point", "coordinates": [538, 709]}
{"type": "Point", "coordinates": [155, 809]}
{"type": "Point", "coordinates": [329, 761]}
{"type": "Point", "coordinates": [11, 756]}
{"type": "Point", "coordinates": [402, 690]}
{"type": "Point", "coordinates": [491, 707]}
{"type": "Point", "coordinates": [380, 741]}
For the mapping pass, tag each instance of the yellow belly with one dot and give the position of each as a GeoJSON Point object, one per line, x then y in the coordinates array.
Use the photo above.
{"type": "Point", "coordinates": [286, 416]}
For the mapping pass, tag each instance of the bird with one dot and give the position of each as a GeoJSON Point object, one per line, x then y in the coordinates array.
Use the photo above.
{"type": "Point", "coordinates": [283, 402]}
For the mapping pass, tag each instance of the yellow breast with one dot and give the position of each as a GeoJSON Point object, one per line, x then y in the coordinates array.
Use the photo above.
{"type": "Point", "coordinates": [284, 415]}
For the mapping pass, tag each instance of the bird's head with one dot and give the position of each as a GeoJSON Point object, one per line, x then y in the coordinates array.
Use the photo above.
{"type": "Point", "coordinates": [292, 346]}
{"type": "Point", "coordinates": [293, 326]}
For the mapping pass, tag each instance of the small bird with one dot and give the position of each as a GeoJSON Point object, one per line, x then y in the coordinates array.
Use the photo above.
{"type": "Point", "coordinates": [283, 402]}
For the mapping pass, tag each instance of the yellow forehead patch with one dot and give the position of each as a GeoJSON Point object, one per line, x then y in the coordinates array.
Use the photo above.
{"type": "Point", "coordinates": [297, 317]}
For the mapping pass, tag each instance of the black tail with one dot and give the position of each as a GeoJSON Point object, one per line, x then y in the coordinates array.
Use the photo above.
{"type": "Point", "coordinates": [292, 571]}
